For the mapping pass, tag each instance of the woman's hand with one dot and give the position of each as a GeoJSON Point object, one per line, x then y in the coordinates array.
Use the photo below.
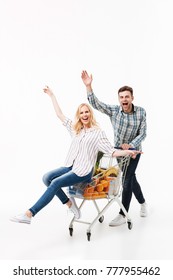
{"type": "Point", "coordinates": [48, 91]}
{"type": "Point", "coordinates": [133, 153]}
{"type": "Point", "coordinates": [123, 153]}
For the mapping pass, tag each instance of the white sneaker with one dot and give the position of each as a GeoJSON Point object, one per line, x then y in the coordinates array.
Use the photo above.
{"type": "Point", "coordinates": [21, 218]}
{"type": "Point", "coordinates": [118, 221]}
{"type": "Point", "coordinates": [74, 208]}
{"type": "Point", "coordinates": [143, 211]}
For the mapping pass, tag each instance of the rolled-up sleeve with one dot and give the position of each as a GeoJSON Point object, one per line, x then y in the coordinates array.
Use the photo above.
{"type": "Point", "coordinates": [68, 124]}
{"type": "Point", "coordinates": [136, 142]}
{"type": "Point", "coordinates": [100, 106]}
{"type": "Point", "coordinates": [104, 144]}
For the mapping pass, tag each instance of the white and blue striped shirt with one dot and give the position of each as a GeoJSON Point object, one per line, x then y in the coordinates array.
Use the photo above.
{"type": "Point", "coordinates": [84, 148]}
{"type": "Point", "coordinates": [128, 128]}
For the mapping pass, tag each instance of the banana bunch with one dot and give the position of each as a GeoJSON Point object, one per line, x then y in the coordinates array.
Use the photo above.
{"type": "Point", "coordinates": [111, 171]}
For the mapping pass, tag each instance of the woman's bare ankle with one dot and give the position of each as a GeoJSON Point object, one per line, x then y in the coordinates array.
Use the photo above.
{"type": "Point", "coordinates": [28, 213]}
{"type": "Point", "coordinates": [69, 203]}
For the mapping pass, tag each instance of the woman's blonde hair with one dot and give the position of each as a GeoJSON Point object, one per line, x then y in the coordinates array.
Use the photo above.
{"type": "Point", "coordinates": [77, 126]}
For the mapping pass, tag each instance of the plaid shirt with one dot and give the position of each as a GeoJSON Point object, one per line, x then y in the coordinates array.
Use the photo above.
{"type": "Point", "coordinates": [128, 128]}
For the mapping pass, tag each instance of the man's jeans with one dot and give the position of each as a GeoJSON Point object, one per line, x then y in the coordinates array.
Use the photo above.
{"type": "Point", "coordinates": [131, 185]}
{"type": "Point", "coordinates": [55, 180]}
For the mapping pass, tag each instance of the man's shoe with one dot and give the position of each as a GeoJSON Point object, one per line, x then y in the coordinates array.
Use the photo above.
{"type": "Point", "coordinates": [21, 218]}
{"type": "Point", "coordinates": [74, 208]}
{"type": "Point", "coordinates": [143, 211]}
{"type": "Point", "coordinates": [118, 221]}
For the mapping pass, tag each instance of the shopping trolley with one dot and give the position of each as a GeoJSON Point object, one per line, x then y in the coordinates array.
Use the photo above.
{"type": "Point", "coordinates": [106, 183]}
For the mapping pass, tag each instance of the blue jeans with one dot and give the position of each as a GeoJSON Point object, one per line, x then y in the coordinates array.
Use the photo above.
{"type": "Point", "coordinates": [131, 185]}
{"type": "Point", "coordinates": [55, 180]}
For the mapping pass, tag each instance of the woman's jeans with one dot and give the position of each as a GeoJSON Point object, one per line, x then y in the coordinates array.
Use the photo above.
{"type": "Point", "coordinates": [55, 180]}
{"type": "Point", "coordinates": [131, 185]}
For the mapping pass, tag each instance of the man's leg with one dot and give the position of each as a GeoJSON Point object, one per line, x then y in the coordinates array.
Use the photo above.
{"type": "Point", "coordinates": [130, 185]}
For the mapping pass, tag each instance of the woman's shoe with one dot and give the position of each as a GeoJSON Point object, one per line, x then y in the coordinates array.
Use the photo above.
{"type": "Point", "coordinates": [21, 218]}
{"type": "Point", "coordinates": [74, 208]}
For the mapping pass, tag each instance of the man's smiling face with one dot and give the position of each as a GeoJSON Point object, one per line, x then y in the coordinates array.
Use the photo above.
{"type": "Point", "coordinates": [126, 99]}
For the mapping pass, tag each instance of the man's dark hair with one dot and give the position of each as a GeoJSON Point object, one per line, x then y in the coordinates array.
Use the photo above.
{"type": "Point", "coordinates": [125, 88]}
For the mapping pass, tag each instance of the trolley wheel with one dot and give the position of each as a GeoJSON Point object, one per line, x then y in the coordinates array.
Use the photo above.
{"type": "Point", "coordinates": [71, 231]}
{"type": "Point", "coordinates": [101, 219]}
{"type": "Point", "coordinates": [88, 235]}
{"type": "Point", "coordinates": [130, 225]}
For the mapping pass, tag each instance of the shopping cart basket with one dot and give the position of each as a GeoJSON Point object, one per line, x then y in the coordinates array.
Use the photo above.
{"type": "Point", "coordinates": [106, 183]}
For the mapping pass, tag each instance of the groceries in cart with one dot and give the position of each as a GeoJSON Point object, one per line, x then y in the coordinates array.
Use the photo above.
{"type": "Point", "coordinates": [104, 183]}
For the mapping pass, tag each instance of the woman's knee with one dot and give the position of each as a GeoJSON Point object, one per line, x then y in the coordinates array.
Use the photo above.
{"type": "Point", "coordinates": [46, 179]}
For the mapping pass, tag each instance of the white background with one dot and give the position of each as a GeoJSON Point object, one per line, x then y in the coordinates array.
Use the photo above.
{"type": "Point", "coordinates": [49, 42]}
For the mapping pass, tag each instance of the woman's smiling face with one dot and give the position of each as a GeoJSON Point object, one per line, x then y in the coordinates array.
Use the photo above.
{"type": "Point", "coordinates": [85, 116]}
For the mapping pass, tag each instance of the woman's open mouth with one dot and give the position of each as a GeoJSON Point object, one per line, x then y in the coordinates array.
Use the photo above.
{"type": "Point", "coordinates": [85, 119]}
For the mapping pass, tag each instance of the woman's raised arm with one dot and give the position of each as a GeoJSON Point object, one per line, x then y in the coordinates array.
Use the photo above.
{"type": "Point", "coordinates": [56, 106]}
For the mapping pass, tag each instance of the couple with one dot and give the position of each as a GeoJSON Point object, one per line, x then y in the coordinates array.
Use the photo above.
{"type": "Point", "coordinates": [87, 140]}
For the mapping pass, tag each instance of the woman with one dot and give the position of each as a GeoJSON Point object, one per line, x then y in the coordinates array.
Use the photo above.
{"type": "Point", "coordinates": [87, 140]}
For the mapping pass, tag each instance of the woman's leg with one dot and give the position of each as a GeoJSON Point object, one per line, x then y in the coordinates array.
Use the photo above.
{"type": "Point", "coordinates": [49, 176]}
{"type": "Point", "coordinates": [53, 174]}
{"type": "Point", "coordinates": [69, 178]}
{"type": "Point", "coordinates": [55, 188]}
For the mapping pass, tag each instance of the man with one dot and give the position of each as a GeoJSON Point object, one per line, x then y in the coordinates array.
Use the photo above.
{"type": "Point", "coordinates": [129, 125]}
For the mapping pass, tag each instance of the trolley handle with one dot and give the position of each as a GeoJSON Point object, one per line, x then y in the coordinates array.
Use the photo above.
{"type": "Point", "coordinates": [119, 148]}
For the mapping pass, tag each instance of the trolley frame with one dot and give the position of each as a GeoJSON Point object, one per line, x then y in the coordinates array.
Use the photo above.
{"type": "Point", "coordinates": [122, 163]}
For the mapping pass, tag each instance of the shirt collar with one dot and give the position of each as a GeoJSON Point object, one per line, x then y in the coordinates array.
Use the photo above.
{"type": "Point", "coordinates": [133, 109]}
{"type": "Point", "coordinates": [89, 129]}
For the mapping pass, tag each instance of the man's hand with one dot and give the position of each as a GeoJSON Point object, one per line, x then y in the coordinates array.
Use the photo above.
{"type": "Point", "coordinates": [126, 146]}
{"type": "Point", "coordinates": [87, 80]}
